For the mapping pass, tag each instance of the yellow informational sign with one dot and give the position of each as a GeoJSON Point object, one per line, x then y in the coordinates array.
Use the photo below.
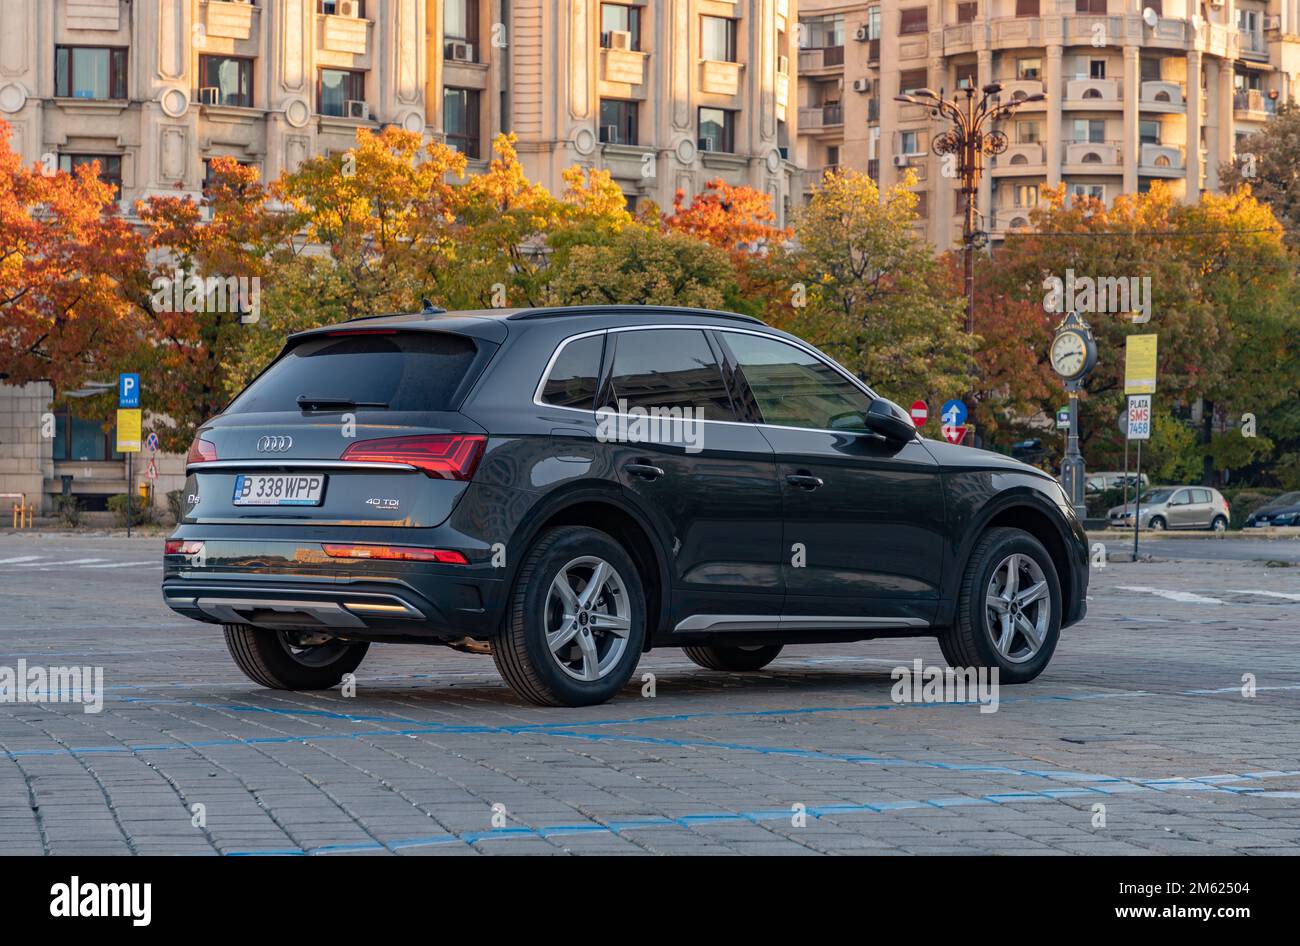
{"type": "Point", "coordinates": [128, 430]}
{"type": "Point", "coordinates": [1140, 365]}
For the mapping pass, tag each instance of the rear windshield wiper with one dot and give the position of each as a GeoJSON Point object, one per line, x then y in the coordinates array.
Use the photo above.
{"type": "Point", "coordinates": [321, 402]}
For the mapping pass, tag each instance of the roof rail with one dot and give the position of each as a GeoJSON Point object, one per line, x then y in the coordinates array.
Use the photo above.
{"type": "Point", "coordinates": [551, 312]}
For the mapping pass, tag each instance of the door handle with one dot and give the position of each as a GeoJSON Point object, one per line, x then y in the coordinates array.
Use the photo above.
{"type": "Point", "coordinates": [804, 481]}
{"type": "Point", "coordinates": [645, 471]}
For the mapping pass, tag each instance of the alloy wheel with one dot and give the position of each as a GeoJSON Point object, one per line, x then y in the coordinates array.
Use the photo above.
{"type": "Point", "coordinates": [1018, 608]}
{"type": "Point", "coordinates": [588, 618]}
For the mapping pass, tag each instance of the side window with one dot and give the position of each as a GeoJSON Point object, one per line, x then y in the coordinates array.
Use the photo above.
{"type": "Point", "coordinates": [1181, 498]}
{"type": "Point", "coordinates": [1200, 496]}
{"type": "Point", "coordinates": [573, 378]}
{"type": "Point", "coordinates": [668, 369]}
{"type": "Point", "coordinates": [793, 388]}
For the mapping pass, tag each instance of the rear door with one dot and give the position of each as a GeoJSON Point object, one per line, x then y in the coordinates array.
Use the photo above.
{"type": "Point", "coordinates": [863, 519]}
{"type": "Point", "coordinates": [1203, 508]}
{"type": "Point", "coordinates": [667, 422]}
{"type": "Point", "coordinates": [1182, 512]}
{"type": "Point", "coordinates": [350, 428]}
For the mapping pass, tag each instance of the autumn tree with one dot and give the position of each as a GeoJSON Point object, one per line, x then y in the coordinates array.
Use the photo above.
{"type": "Point", "coordinates": [65, 253]}
{"type": "Point", "coordinates": [861, 283]}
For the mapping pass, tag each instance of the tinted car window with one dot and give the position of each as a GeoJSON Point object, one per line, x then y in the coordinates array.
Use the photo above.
{"type": "Point", "coordinates": [405, 371]}
{"type": "Point", "coordinates": [572, 381]}
{"type": "Point", "coordinates": [669, 368]}
{"type": "Point", "coordinates": [1200, 496]}
{"type": "Point", "coordinates": [793, 388]}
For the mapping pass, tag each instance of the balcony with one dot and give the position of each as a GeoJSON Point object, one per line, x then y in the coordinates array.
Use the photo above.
{"type": "Point", "coordinates": [1253, 105]}
{"type": "Point", "coordinates": [1008, 219]}
{"type": "Point", "coordinates": [230, 20]}
{"type": "Point", "coordinates": [342, 34]}
{"type": "Point", "coordinates": [1093, 94]}
{"type": "Point", "coordinates": [1253, 45]}
{"type": "Point", "coordinates": [1028, 157]}
{"type": "Point", "coordinates": [819, 117]}
{"type": "Point", "coordinates": [1159, 160]}
{"type": "Point", "coordinates": [1015, 31]}
{"type": "Point", "coordinates": [1093, 157]}
{"type": "Point", "coordinates": [623, 66]}
{"type": "Point", "coordinates": [720, 78]}
{"type": "Point", "coordinates": [1217, 40]}
{"type": "Point", "coordinates": [1016, 89]}
{"type": "Point", "coordinates": [813, 60]}
{"type": "Point", "coordinates": [1162, 96]}
{"type": "Point", "coordinates": [957, 39]}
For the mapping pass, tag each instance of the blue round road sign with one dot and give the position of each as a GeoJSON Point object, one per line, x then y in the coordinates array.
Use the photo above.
{"type": "Point", "coordinates": [152, 442]}
{"type": "Point", "coordinates": [953, 413]}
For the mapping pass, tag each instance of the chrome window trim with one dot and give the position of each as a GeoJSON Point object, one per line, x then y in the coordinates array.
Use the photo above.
{"type": "Point", "coordinates": [808, 349]}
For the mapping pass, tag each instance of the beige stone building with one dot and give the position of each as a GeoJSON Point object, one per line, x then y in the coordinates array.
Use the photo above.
{"type": "Point", "coordinates": [667, 94]}
{"type": "Point", "coordinates": [1137, 91]}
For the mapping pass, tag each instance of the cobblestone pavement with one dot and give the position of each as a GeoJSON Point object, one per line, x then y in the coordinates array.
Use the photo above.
{"type": "Point", "coordinates": [1141, 711]}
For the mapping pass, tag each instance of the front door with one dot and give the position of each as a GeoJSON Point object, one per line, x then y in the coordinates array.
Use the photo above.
{"type": "Point", "coordinates": [863, 534]}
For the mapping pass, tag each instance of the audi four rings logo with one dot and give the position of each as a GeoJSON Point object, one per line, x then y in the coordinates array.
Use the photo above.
{"type": "Point", "coordinates": [274, 444]}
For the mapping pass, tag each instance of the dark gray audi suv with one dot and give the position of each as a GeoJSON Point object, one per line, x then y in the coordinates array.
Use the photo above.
{"type": "Point", "coordinates": [566, 488]}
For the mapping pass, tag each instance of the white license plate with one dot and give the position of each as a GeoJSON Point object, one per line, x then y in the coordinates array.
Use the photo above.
{"type": "Point", "coordinates": [279, 489]}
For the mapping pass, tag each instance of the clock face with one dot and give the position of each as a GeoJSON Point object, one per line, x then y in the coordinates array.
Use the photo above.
{"type": "Point", "coordinates": [1069, 354]}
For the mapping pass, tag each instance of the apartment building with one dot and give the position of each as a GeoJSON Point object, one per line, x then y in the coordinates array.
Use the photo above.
{"type": "Point", "coordinates": [666, 94]}
{"type": "Point", "coordinates": [1137, 91]}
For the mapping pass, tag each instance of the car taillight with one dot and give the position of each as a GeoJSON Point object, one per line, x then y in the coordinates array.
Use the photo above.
{"type": "Point", "coordinates": [201, 451]}
{"type": "Point", "coordinates": [396, 553]}
{"type": "Point", "coordinates": [182, 547]}
{"type": "Point", "coordinates": [442, 456]}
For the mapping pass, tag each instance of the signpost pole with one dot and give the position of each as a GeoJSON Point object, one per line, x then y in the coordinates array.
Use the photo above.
{"type": "Point", "coordinates": [1137, 503]}
{"type": "Point", "coordinates": [130, 478]}
{"type": "Point", "coordinates": [1124, 504]}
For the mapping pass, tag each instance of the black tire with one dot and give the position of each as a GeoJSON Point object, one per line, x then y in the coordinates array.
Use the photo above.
{"type": "Point", "coordinates": [1220, 524]}
{"type": "Point", "coordinates": [969, 642]}
{"type": "Point", "coordinates": [1158, 524]}
{"type": "Point", "coordinates": [733, 659]}
{"type": "Point", "coordinates": [520, 650]}
{"type": "Point", "coordinates": [269, 659]}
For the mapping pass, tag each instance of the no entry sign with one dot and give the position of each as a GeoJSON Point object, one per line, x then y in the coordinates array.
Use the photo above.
{"type": "Point", "coordinates": [920, 413]}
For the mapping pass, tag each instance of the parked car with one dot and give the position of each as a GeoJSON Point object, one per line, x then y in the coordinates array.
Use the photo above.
{"type": "Point", "coordinates": [1282, 511]}
{"type": "Point", "coordinates": [486, 480]}
{"type": "Point", "coordinates": [1100, 482]}
{"type": "Point", "coordinates": [1176, 507]}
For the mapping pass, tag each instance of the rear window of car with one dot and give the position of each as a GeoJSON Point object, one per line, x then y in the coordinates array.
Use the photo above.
{"type": "Point", "coordinates": [403, 371]}
{"type": "Point", "coordinates": [666, 369]}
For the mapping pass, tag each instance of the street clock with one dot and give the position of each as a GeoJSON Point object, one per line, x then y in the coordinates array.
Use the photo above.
{"type": "Point", "coordinates": [1073, 353]}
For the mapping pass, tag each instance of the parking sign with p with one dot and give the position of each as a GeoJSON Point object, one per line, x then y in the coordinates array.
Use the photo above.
{"type": "Point", "coordinates": [128, 390]}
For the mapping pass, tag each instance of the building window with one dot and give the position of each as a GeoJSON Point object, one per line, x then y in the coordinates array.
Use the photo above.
{"type": "Point", "coordinates": [79, 438]}
{"type": "Point", "coordinates": [717, 130]}
{"type": "Point", "coordinates": [460, 114]}
{"type": "Point", "coordinates": [823, 32]}
{"type": "Point", "coordinates": [89, 72]}
{"type": "Point", "coordinates": [966, 12]}
{"type": "Point", "coordinates": [913, 20]}
{"type": "Point", "coordinates": [618, 122]}
{"type": "Point", "coordinates": [909, 142]}
{"type": "Point", "coordinates": [208, 175]}
{"type": "Point", "coordinates": [1149, 132]}
{"type": "Point", "coordinates": [620, 18]}
{"type": "Point", "coordinates": [1096, 68]}
{"type": "Point", "coordinates": [1028, 133]}
{"type": "Point", "coordinates": [232, 78]}
{"type": "Point", "coordinates": [1029, 68]}
{"type": "Point", "coordinates": [110, 166]}
{"type": "Point", "coordinates": [1026, 7]}
{"type": "Point", "coordinates": [338, 87]}
{"type": "Point", "coordinates": [1090, 130]}
{"type": "Point", "coordinates": [967, 75]}
{"type": "Point", "coordinates": [1026, 195]}
{"type": "Point", "coordinates": [1096, 191]}
{"type": "Point", "coordinates": [718, 39]}
{"type": "Point", "coordinates": [1090, 6]}
{"type": "Point", "coordinates": [460, 30]}
{"type": "Point", "coordinates": [910, 80]}
{"type": "Point", "coordinates": [333, 7]}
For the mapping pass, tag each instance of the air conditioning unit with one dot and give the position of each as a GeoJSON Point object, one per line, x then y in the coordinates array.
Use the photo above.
{"type": "Point", "coordinates": [861, 85]}
{"type": "Point", "coordinates": [1272, 22]}
{"type": "Point", "coordinates": [704, 144]}
{"type": "Point", "coordinates": [1216, 3]}
{"type": "Point", "coordinates": [356, 109]}
{"type": "Point", "coordinates": [609, 134]}
{"type": "Point", "coordinates": [861, 34]}
{"type": "Point", "coordinates": [783, 65]}
{"type": "Point", "coordinates": [347, 8]}
{"type": "Point", "coordinates": [209, 95]}
{"type": "Point", "coordinates": [618, 39]}
{"type": "Point", "coordinates": [900, 160]}
{"type": "Point", "coordinates": [461, 52]}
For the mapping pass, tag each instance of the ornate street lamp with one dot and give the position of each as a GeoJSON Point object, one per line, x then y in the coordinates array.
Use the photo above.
{"type": "Point", "coordinates": [970, 139]}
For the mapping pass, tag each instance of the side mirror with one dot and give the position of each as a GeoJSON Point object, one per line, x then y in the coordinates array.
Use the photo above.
{"type": "Point", "coordinates": [887, 418]}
